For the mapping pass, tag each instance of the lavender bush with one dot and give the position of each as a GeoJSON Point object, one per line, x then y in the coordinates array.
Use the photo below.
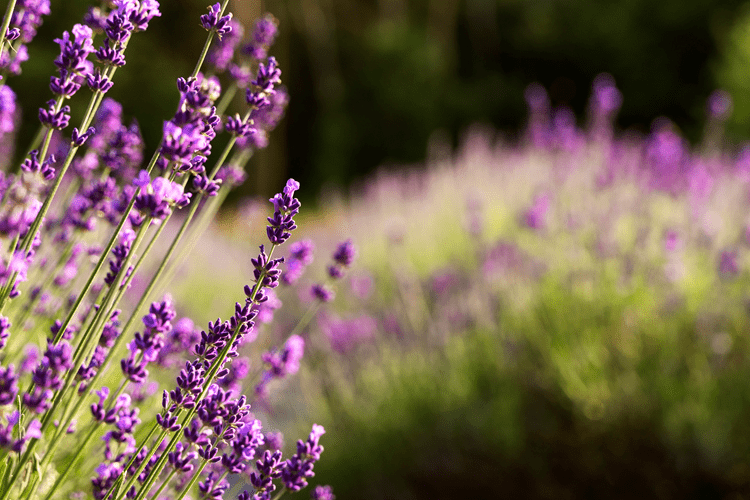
{"type": "Point", "coordinates": [560, 316]}
{"type": "Point", "coordinates": [102, 394]}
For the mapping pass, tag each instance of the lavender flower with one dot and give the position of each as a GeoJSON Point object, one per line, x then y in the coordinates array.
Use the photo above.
{"type": "Point", "coordinates": [4, 331]}
{"type": "Point", "coordinates": [213, 21]}
{"type": "Point", "coordinates": [26, 19]}
{"type": "Point", "coordinates": [286, 206]}
{"type": "Point", "coordinates": [268, 468]}
{"type": "Point", "coordinates": [300, 256]}
{"type": "Point", "coordinates": [8, 385]}
{"type": "Point", "coordinates": [322, 493]}
{"type": "Point", "coordinates": [296, 470]}
{"type": "Point", "coordinates": [281, 363]}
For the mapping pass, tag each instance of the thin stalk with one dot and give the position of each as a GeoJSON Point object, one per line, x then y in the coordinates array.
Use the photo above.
{"type": "Point", "coordinates": [93, 105]}
{"type": "Point", "coordinates": [209, 379]}
{"type": "Point", "coordinates": [46, 283]}
{"type": "Point", "coordinates": [164, 484]}
{"type": "Point", "coordinates": [192, 481]}
{"type": "Point", "coordinates": [85, 342]}
{"type": "Point", "coordinates": [6, 24]}
{"type": "Point", "coordinates": [79, 452]}
{"type": "Point", "coordinates": [207, 45]}
{"type": "Point", "coordinates": [105, 253]}
{"type": "Point", "coordinates": [279, 494]}
{"type": "Point", "coordinates": [223, 103]}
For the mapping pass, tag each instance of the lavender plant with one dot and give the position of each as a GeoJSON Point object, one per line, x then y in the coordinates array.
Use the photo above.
{"type": "Point", "coordinates": [80, 221]}
{"type": "Point", "coordinates": [579, 289]}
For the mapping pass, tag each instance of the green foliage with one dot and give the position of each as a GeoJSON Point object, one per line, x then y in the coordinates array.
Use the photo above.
{"type": "Point", "coordinates": [575, 394]}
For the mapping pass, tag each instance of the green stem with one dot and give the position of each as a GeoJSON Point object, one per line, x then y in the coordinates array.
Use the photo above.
{"type": "Point", "coordinates": [279, 494]}
{"type": "Point", "coordinates": [81, 449]}
{"type": "Point", "coordinates": [192, 481]}
{"type": "Point", "coordinates": [105, 253]}
{"type": "Point", "coordinates": [223, 104]}
{"type": "Point", "coordinates": [207, 45]}
{"type": "Point", "coordinates": [6, 24]}
{"type": "Point", "coordinates": [164, 484]}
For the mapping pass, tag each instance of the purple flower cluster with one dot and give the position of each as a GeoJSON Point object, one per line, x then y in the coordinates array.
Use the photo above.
{"type": "Point", "coordinates": [281, 363]}
{"type": "Point", "coordinates": [322, 493]}
{"type": "Point", "coordinates": [72, 64]}
{"type": "Point", "coordinates": [343, 257]}
{"type": "Point", "coordinates": [204, 432]}
{"type": "Point", "coordinates": [267, 104]}
{"type": "Point", "coordinates": [4, 333]}
{"type": "Point", "coordinates": [145, 346]}
{"type": "Point", "coordinates": [128, 17]}
{"type": "Point", "coordinates": [300, 256]}
{"type": "Point", "coordinates": [48, 376]}
{"type": "Point", "coordinates": [214, 21]}
{"type": "Point", "coordinates": [286, 206]}
{"type": "Point", "coordinates": [120, 253]}
{"type": "Point", "coordinates": [109, 334]}
{"type": "Point", "coordinates": [156, 198]}
{"type": "Point", "coordinates": [24, 23]}
{"type": "Point", "coordinates": [7, 442]}
{"type": "Point", "coordinates": [222, 54]}
{"type": "Point", "coordinates": [299, 468]}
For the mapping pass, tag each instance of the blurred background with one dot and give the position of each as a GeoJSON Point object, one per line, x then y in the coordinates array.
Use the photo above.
{"type": "Point", "coordinates": [556, 318]}
{"type": "Point", "coordinates": [371, 80]}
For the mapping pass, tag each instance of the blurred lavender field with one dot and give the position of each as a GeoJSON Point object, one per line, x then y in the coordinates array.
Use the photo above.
{"type": "Point", "coordinates": [562, 317]}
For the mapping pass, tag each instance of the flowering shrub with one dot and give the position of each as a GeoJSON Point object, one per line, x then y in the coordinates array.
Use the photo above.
{"type": "Point", "coordinates": [534, 309]}
{"type": "Point", "coordinates": [80, 379]}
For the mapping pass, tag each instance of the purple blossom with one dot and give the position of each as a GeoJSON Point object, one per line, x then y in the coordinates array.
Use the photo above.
{"type": "Point", "coordinates": [296, 470]}
{"type": "Point", "coordinates": [268, 76]}
{"type": "Point", "coordinates": [223, 52]}
{"type": "Point", "coordinates": [178, 340]}
{"type": "Point", "coordinates": [157, 199]}
{"type": "Point", "coordinates": [282, 363]}
{"type": "Point", "coordinates": [33, 165]}
{"type": "Point", "coordinates": [12, 34]}
{"type": "Point", "coordinates": [345, 334]}
{"type": "Point", "coordinates": [286, 206]}
{"type": "Point", "coordinates": [26, 19]}
{"type": "Point", "coordinates": [266, 275]}
{"type": "Point", "coordinates": [345, 253]}
{"type": "Point", "coordinates": [213, 22]}
{"type": "Point", "coordinates": [120, 253]}
{"type": "Point", "coordinates": [266, 29]}
{"type": "Point", "coordinates": [535, 217]}
{"type": "Point", "coordinates": [47, 376]}
{"type": "Point", "coordinates": [180, 459]}
{"type": "Point", "coordinates": [53, 118]}
{"type": "Point", "coordinates": [73, 53]}
{"type": "Point", "coordinates": [322, 292]}
{"type": "Point", "coordinates": [141, 12]}
{"type": "Point", "coordinates": [719, 105]}
{"type": "Point", "coordinates": [728, 265]}
{"type": "Point", "coordinates": [274, 440]}
{"type": "Point", "coordinates": [322, 493]}
{"type": "Point", "coordinates": [268, 468]}
{"type": "Point", "coordinates": [238, 370]}
{"type": "Point", "coordinates": [181, 143]}
{"type": "Point", "coordinates": [7, 110]}
{"type": "Point", "coordinates": [213, 487]}
{"type": "Point", "coordinates": [95, 19]}
{"type": "Point", "coordinates": [264, 34]}
{"type": "Point", "coordinates": [4, 331]}
{"type": "Point", "coordinates": [267, 117]}
{"type": "Point", "coordinates": [8, 385]}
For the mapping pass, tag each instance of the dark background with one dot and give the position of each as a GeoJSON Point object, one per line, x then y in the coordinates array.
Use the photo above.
{"type": "Point", "coordinates": [370, 81]}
